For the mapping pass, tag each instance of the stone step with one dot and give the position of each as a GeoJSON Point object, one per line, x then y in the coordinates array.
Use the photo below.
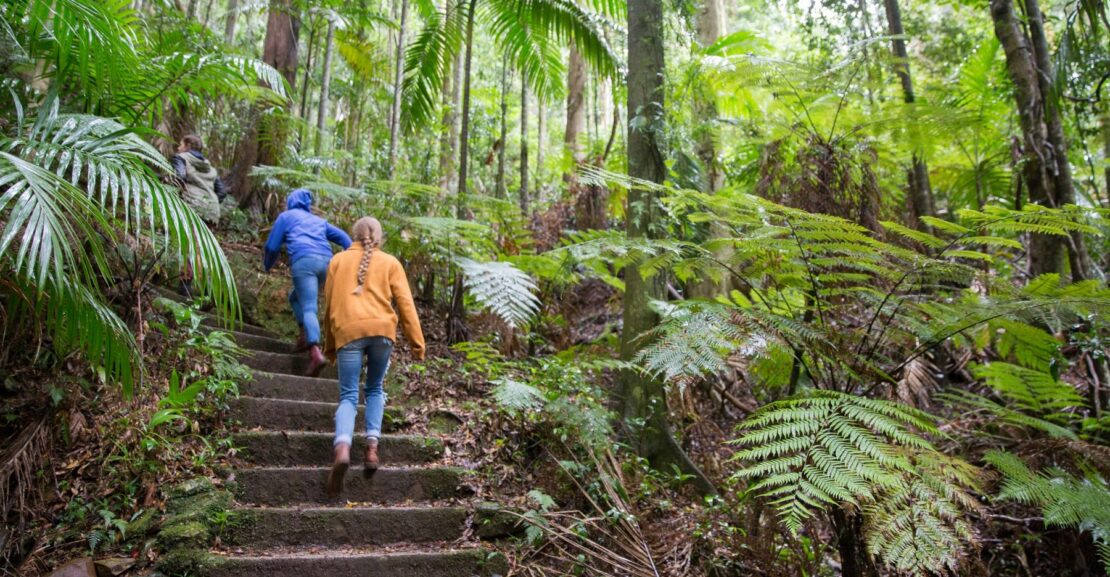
{"type": "Point", "coordinates": [286, 415]}
{"type": "Point", "coordinates": [214, 323]}
{"type": "Point", "coordinates": [281, 486]}
{"type": "Point", "coordinates": [345, 527]}
{"type": "Point", "coordinates": [291, 387]}
{"type": "Point", "coordinates": [291, 449]}
{"type": "Point", "coordinates": [446, 563]}
{"type": "Point", "coordinates": [255, 342]}
{"type": "Point", "coordinates": [288, 364]}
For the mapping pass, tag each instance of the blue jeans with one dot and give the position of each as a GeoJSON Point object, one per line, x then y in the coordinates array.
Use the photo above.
{"type": "Point", "coordinates": [376, 350]}
{"type": "Point", "coordinates": [309, 274]}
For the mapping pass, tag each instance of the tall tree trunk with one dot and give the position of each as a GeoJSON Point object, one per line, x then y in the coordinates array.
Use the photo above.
{"type": "Point", "coordinates": [395, 114]}
{"type": "Point", "coordinates": [854, 558]}
{"type": "Point", "coordinates": [191, 11]}
{"type": "Point", "coordinates": [229, 23]}
{"type": "Point", "coordinates": [456, 318]}
{"type": "Point", "coordinates": [261, 144]}
{"type": "Point", "coordinates": [642, 399]}
{"type": "Point", "coordinates": [524, 205]}
{"type": "Point", "coordinates": [449, 140]}
{"type": "Point", "coordinates": [502, 144]}
{"type": "Point", "coordinates": [1046, 252]}
{"type": "Point", "coordinates": [541, 138]}
{"type": "Point", "coordinates": [304, 109]}
{"type": "Point", "coordinates": [576, 108]}
{"type": "Point", "coordinates": [325, 91]}
{"type": "Point", "coordinates": [1056, 154]}
{"type": "Point", "coordinates": [1105, 120]}
{"type": "Point", "coordinates": [921, 191]}
{"type": "Point", "coordinates": [710, 28]}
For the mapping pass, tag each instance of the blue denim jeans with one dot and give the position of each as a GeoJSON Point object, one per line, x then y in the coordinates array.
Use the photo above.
{"type": "Point", "coordinates": [309, 274]}
{"type": "Point", "coordinates": [376, 351]}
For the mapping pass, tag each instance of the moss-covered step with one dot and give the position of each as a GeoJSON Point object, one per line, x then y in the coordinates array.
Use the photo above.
{"type": "Point", "coordinates": [212, 322]}
{"type": "Point", "coordinates": [340, 527]}
{"type": "Point", "coordinates": [281, 486]}
{"type": "Point", "coordinates": [272, 448]}
{"type": "Point", "coordinates": [290, 387]}
{"type": "Point", "coordinates": [449, 563]}
{"type": "Point", "coordinates": [289, 364]}
{"type": "Point", "coordinates": [285, 415]}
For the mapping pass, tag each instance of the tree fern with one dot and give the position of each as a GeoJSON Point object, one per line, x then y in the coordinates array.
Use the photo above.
{"type": "Point", "coordinates": [828, 449]}
{"type": "Point", "coordinates": [502, 289]}
{"type": "Point", "coordinates": [1082, 503]}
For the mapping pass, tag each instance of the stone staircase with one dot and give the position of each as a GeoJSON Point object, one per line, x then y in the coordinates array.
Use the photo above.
{"type": "Point", "coordinates": [408, 519]}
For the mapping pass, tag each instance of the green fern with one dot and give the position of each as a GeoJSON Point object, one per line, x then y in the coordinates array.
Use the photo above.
{"type": "Point", "coordinates": [1032, 391]}
{"type": "Point", "coordinates": [828, 449]}
{"type": "Point", "coordinates": [690, 342]}
{"type": "Point", "coordinates": [515, 397]}
{"type": "Point", "coordinates": [502, 289]}
{"type": "Point", "coordinates": [1065, 500]}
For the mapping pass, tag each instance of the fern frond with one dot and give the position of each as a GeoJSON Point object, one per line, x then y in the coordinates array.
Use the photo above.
{"type": "Point", "coordinates": [503, 289]}
{"type": "Point", "coordinates": [516, 397]}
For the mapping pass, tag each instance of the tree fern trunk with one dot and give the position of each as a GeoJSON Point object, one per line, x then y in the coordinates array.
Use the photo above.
{"type": "Point", "coordinates": [642, 400]}
{"type": "Point", "coordinates": [854, 558]}
{"type": "Point", "coordinates": [395, 114]}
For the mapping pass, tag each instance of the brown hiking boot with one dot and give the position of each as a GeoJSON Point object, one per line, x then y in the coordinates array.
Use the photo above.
{"type": "Point", "coordinates": [372, 460]}
{"type": "Point", "coordinates": [339, 469]}
{"type": "Point", "coordinates": [316, 361]}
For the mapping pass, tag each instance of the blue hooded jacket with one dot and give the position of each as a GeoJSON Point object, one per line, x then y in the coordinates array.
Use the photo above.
{"type": "Point", "coordinates": [303, 233]}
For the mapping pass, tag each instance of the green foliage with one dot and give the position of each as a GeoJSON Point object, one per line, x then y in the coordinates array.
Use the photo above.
{"type": "Point", "coordinates": [516, 397]}
{"type": "Point", "coordinates": [1082, 503]}
{"type": "Point", "coordinates": [826, 449]}
{"type": "Point", "coordinates": [503, 289]}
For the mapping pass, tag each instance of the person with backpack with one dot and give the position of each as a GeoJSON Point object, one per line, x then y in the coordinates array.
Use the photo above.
{"type": "Point", "coordinates": [360, 324]}
{"type": "Point", "coordinates": [307, 239]}
{"type": "Point", "coordinates": [201, 187]}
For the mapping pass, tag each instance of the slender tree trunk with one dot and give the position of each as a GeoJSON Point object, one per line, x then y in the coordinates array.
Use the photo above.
{"type": "Point", "coordinates": [449, 141]}
{"type": "Point", "coordinates": [1057, 164]}
{"type": "Point", "coordinates": [325, 91]}
{"type": "Point", "coordinates": [921, 191]}
{"type": "Point", "coordinates": [191, 11]}
{"type": "Point", "coordinates": [642, 399]}
{"type": "Point", "coordinates": [456, 318]}
{"type": "Point", "coordinates": [1105, 119]}
{"type": "Point", "coordinates": [305, 110]}
{"type": "Point", "coordinates": [502, 144]}
{"type": "Point", "coordinates": [854, 559]}
{"type": "Point", "coordinates": [207, 12]}
{"type": "Point", "coordinates": [541, 139]}
{"type": "Point", "coordinates": [524, 205]}
{"type": "Point", "coordinates": [1046, 252]}
{"type": "Point", "coordinates": [229, 23]}
{"type": "Point", "coordinates": [576, 108]}
{"type": "Point", "coordinates": [395, 115]}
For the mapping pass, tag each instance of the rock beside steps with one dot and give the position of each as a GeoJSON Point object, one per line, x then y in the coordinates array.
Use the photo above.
{"type": "Point", "coordinates": [408, 519]}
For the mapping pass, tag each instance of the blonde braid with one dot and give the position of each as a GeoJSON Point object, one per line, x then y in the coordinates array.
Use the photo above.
{"type": "Point", "coordinates": [368, 231]}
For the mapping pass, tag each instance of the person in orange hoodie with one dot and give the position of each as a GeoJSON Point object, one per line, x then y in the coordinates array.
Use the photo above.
{"type": "Point", "coordinates": [360, 323]}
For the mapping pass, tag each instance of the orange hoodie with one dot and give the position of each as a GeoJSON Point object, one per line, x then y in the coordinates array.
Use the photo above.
{"type": "Point", "coordinates": [348, 316]}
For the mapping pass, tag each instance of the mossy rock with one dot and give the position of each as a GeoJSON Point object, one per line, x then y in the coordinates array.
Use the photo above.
{"type": "Point", "coordinates": [191, 487]}
{"type": "Point", "coordinates": [185, 561]}
{"type": "Point", "coordinates": [200, 507]}
{"type": "Point", "coordinates": [184, 534]}
{"type": "Point", "coordinates": [144, 524]}
{"type": "Point", "coordinates": [444, 422]}
{"type": "Point", "coordinates": [492, 521]}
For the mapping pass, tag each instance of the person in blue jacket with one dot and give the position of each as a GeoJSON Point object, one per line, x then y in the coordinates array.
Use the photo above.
{"type": "Point", "coordinates": [306, 237]}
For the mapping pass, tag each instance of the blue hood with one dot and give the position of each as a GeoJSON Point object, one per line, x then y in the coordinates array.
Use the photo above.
{"type": "Point", "coordinates": [300, 198]}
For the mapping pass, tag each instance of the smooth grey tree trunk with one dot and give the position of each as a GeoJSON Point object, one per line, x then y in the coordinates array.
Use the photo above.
{"type": "Point", "coordinates": [921, 190]}
{"type": "Point", "coordinates": [325, 91]}
{"type": "Point", "coordinates": [541, 138]}
{"type": "Point", "coordinates": [642, 400]}
{"type": "Point", "coordinates": [395, 114]}
{"type": "Point", "coordinates": [232, 19]}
